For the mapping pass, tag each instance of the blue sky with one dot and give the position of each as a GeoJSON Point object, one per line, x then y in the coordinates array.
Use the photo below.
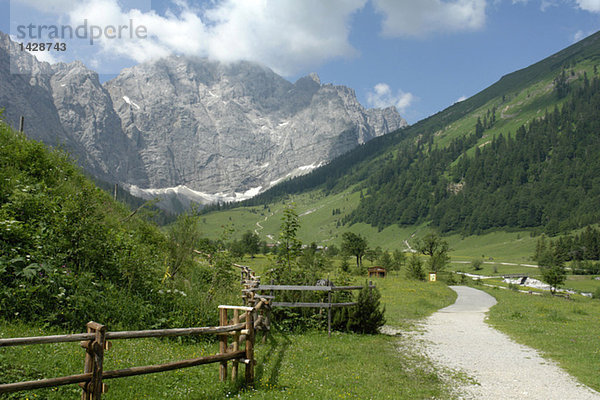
{"type": "Point", "coordinates": [420, 55]}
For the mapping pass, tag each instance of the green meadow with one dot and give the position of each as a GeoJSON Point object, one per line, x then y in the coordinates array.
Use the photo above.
{"type": "Point", "coordinates": [289, 366]}
{"type": "Point", "coordinates": [565, 331]}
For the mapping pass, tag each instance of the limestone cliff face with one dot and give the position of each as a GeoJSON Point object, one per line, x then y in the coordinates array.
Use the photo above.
{"type": "Point", "coordinates": [86, 112]}
{"type": "Point", "coordinates": [211, 127]}
{"type": "Point", "coordinates": [217, 127]}
{"type": "Point", "coordinates": [65, 105]}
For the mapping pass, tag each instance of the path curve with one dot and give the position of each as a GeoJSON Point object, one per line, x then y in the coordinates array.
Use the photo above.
{"type": "Point", "coordinates": [458, 338]}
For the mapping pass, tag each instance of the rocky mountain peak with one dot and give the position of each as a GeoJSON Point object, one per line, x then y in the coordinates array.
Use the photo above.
{"type": "Point", "coordinates": [315, 77]}
{"type": "Point", "coordinates": [220, 130]}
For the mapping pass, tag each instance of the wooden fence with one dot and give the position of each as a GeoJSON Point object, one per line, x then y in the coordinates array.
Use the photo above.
{"type": "Point", "coordinates": [95, 342]}
{"type": "Point", "coordinates": [328, 305]}
{"type": "Point", "coordinates": [241, 324]}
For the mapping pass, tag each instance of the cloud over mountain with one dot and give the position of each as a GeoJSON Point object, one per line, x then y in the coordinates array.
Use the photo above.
{"type": "Point", "coordinates": [289, 36]}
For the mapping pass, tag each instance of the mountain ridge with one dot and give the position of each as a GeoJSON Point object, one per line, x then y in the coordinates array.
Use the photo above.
{"type": "Point", "coordinates": [214, 128]}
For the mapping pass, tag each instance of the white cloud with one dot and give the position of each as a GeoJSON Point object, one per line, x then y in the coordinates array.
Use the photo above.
{"type": "Point", "coordinates": [461, 98]}
{"type": "Point", "coordinates": [382, 97]}
{"type": "Point", "coordinates": [46, 56]}
{"type": "Point", "coordinates": [290, 36]}
{"type": "Point", "coordinates": [286, 35]}
{"type": "Point", "coordinates": [418, 18]}
{"type": "Point", "coordinates": [589, 5]}
{"type": "Point", "coordinates": [579, 35]}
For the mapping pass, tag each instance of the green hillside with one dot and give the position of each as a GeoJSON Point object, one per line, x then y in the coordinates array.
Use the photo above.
{"type": "Point", "coordinates": [69, 253]}
{"type": "Point", "coordinates": [524, 94]}
{"type": "Point", "coordinates": [544, 175]}
{"type": "Point", "coordinates": [519, 156]}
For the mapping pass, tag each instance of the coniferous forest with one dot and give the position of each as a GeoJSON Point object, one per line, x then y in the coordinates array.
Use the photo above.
{"type": "Point", "coordinates": [546, 174]}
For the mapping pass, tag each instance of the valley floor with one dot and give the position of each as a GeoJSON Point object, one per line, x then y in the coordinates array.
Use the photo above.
{"type": "Point", "coordinates": [491, 365]}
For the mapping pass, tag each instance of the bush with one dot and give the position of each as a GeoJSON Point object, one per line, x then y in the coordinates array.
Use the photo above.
{"type": "Point", "coordinates": [477, 264]}
{"type": "Point", "coordinates": [414, 268]}
{"type": "Point", "coordinates": [449, 278]}
{"type": "Point", "coordinates": [367, 316]}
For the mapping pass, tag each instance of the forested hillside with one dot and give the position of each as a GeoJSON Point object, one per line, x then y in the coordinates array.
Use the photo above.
{"type": "Point", "coordinates": [520, 154]}
{"type": "Point", "coordinates": [546, 174]}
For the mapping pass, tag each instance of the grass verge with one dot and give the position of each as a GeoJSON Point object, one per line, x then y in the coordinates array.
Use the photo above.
{"type": "Point", "coordinates": [563, 330]}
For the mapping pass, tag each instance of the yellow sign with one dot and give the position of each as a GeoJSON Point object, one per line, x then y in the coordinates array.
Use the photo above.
{"type": "Point", "coordinates": [432, 277]}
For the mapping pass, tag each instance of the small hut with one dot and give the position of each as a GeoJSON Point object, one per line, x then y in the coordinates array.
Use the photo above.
{"type": "Point", "coordinates": [378, 272]}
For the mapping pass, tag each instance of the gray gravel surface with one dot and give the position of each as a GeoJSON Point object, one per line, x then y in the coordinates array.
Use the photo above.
{"type": "Point", "coordinates": [457, 339]}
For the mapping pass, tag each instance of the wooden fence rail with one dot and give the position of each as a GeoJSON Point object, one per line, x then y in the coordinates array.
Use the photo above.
{"type": "Point", "coordinates": [95, 342]}
{"type": "Point", "coordinates": [241, 325]}
{"type": "Point", "coordinates": [119, 335]}
{"type": "Point", "coordinates": [252, 289]}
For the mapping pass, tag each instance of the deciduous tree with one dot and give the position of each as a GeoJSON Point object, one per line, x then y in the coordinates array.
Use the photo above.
{"type": "Point", "coordinates": [437, 249]}
{"type": "Point", "coordinates": [355, 245]}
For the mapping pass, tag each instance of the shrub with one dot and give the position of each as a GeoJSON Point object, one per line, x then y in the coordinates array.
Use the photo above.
{"type": "Point", "coordinates": [477, 264]}
{"type": "Point", "coordinates": [367, 316]}
{"type": "Point", "coordinates": [70, 254]}
{"type": "Point", "coordinates": [414, 268]}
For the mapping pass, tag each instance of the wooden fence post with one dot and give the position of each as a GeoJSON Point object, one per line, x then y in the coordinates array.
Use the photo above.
{"type": "Point", "coordinates": [266, 322]}
{"type": "Point", "coordinates": [245, 286]}
{"type": "Point", "coordinates": [223, 344]}
{"type": "Point", "coordinates": [236, 345]}
{"type": "Point", "coordinates": [94, 360]}
{"type": "Point", "coordinates": [329, 311]}
{"type": "Point", "coordinates": [249, 348]}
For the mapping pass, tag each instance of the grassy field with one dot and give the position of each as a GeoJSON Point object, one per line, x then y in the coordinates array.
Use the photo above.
{"type": "Point", "coordinates": [563, 330]}
{"type": "Point", "coordinates": [582, 283]}
{"type": "Point", "coordinates": [318, 222]}
{"type": "Point", "coordinates": [290, 366]}
{"type": "Point", "coordinates": [494, 269]}
{"type": "Point", "coordinates": [579, 283]}
{"type": "Point", "coordinates": [319, 225]}
{"type": "Point", "coordinates": [515, 247]}
{"type": "Point", "coordinates": [408, 301]}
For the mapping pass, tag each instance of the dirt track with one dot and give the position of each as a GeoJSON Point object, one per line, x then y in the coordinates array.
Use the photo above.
{"type": "Point", "coordinates": [457, 338]}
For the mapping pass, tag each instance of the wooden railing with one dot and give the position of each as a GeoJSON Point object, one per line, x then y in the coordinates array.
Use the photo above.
{"type": "Point", "coordinates": [253, 288]}
{"type": "Point", "coordinates": [95, 342]}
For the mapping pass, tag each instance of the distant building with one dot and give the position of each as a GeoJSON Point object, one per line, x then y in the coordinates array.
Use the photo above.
{"type": "Point", "coordinates": [378, 272]}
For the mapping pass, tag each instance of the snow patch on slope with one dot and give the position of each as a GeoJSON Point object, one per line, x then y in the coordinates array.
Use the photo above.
{"type": "Point", "coordinates": [131, 103]}
{"type": "Point", "coordinates": [193, 195]}
{"type": "Point", "coordinates": [186, 196]}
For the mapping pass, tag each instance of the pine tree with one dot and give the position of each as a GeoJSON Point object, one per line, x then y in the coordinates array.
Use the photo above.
{"type": "Point", "coordinates": [290, 246]}
{"type": "Point", "coordinates": [367, 316]}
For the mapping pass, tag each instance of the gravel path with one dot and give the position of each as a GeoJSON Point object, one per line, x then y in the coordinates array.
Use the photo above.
{"type": "Point", "coordinates": [456, 337]}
